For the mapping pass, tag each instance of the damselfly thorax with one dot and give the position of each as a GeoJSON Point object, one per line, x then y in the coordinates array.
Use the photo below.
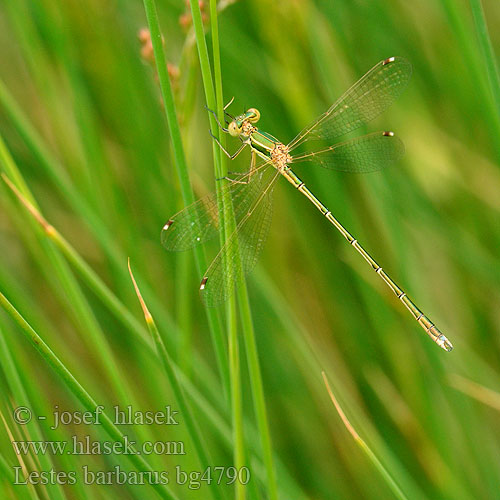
{"type": "Point", "coordinates": [262, 143]}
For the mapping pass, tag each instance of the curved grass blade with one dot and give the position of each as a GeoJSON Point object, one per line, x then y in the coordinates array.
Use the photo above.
{"type": "Point", "coordinates": [364, 154]}
{"type": "Point", "coordinates": [386, 475]}
{"type": "Point", "coordinates": [199, 222]}
{"type": "Point", "coordinates": [240, 253]}
{"type": "Point", "coordinates": [365, 100]}
{"type": "Point", "coordinates": [194, 433]}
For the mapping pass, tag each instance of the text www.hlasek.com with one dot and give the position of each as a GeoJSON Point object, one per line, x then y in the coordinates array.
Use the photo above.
{"type": "Point", "coordinates": [86, 446]}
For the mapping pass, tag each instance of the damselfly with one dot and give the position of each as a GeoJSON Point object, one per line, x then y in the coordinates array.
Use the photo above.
{"type": "Point", "coordinates": [251, 193]}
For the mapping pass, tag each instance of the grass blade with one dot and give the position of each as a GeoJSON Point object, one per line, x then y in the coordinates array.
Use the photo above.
{"type": "Point", "coordinates": [247, 325]}
{"type": "Point", "coordinates": [487, 49]}
{"type": "Point", "coordinates": [366, 449]}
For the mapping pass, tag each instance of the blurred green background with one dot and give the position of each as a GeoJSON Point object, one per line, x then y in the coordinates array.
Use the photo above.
{"type": "Point", "coordinates": [83, 125]}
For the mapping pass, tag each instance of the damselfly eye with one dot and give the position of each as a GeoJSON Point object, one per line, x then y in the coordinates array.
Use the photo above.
{"type": "Point", "coordinates": [256, 115]}
{"type": "Point", "coordinates": [233, 129]}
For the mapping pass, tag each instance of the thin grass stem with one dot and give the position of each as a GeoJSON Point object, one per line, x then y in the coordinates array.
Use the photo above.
{"type": "Point", "coordinates": [182, 173]}
{"type": "Point", "coordinates": [239, 452]}
{"type": "Point", "coordinates": [487, 50]}
{"type": "Point", "coordinates": [366, 449]}
{"type": "Point", "coordinates": [257, 391]}
{"type": "Point", "coordinates": [248, 331]}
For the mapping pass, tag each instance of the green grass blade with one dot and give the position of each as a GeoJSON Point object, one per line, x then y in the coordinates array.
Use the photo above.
{"type": "Point", "coordinates": [225, 211]}
{"type": "Point", "coordinates": [239, 453]}
{"type": "Point", "coordinates": [487, 49]}
{"type": "Point", "coordinates": [248, 331]}
{"type": "Point", "coordinates": [257, 387]}
{"type": "Point", "coordinates": [366, 449]}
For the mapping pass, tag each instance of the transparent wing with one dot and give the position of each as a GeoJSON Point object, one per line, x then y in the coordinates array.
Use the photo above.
{"type": "Point", "coordinates": [360, 155]}
{"type": "Point", "coordinates": [365, 100]}
{"type": "Point", "coordinates": [199, 222]}
{"type": "Point", "coordinates": [240, 253]}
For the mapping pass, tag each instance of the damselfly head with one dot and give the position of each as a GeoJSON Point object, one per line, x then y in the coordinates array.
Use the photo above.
{"type": "Point", "coordinates": [242, 124]}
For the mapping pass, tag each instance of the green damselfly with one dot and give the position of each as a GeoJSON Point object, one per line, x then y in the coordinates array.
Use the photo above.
{"type": "Point", "coordinates": [251, 193]}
